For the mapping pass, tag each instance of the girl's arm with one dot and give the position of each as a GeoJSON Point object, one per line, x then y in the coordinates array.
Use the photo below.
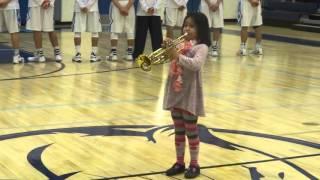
{"type": "Point", "coordinates": [196, 62]}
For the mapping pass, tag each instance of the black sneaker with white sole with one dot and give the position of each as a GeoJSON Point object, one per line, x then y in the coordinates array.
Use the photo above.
{"type": "Point", "coordinates": [94, 57]}
{"type": "Point", "coordinates": [77, 58]}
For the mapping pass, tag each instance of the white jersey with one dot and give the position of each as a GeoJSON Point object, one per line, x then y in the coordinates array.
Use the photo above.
{"type": "Point", "coordinates": [92, 5]}
{"type": "Point", "coordinates": [176, 3]}
{"type": "Point", "coordinates": [144, 5]}
{"type": "Point", "coordinates": [13, 4]}
{"type": "Point", "coordinates": [37, 3]}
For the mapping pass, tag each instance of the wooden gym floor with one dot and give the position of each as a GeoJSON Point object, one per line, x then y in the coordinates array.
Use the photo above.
{"type": "Point", "coordinates": [105, 120]}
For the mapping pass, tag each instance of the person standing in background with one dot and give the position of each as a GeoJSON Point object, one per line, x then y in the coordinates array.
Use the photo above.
{"type": "Point", "coordinates": [9, 22]}
{"type": "Point", "coordinates": [122, 20]}
{"type": "Point", "coordinates": [175, 10]}
{"type": "Point", "coordinates": [213, 9]}
{"type": "Point", "coordinates": [40, 19]}
{"type": "Point", "coordinates": [148, 18]}
{"type": "Point", "coordinates": [86, 18]}
{"type": "Point", "coordinates": [250, 15]}
{"type": "Point", "coordinates": [162, 5]}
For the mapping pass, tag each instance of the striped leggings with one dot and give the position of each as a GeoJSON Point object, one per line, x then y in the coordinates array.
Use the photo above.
{"type": "Point", "coordinates": [185, 124]}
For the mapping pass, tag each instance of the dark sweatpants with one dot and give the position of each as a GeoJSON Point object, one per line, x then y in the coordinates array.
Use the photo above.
{"type": "Point", "coordinates": [143, 24]}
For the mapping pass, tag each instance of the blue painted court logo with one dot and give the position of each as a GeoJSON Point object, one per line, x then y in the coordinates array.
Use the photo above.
{"type": "Point", "coordinates": [147, 132]}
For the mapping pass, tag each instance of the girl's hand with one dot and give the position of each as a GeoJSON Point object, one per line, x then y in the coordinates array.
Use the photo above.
{"type": "Point", "coordinates": [173, 53]}
{"type": "Point", "coordinates": [167, 42]}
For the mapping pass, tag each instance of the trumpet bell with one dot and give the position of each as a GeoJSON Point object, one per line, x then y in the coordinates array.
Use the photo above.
{"type": "Point", "coordinates": [144, 62]}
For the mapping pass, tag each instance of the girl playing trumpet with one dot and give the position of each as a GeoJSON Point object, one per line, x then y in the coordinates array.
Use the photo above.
{"type": "Point", "coordinates": [183, 91]}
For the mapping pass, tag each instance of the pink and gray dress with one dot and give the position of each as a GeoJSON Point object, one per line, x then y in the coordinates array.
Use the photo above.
{"type": "Point", "coordinates": [184, 86]}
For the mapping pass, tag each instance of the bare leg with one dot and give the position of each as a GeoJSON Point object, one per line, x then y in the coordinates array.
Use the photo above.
{"type": "Point", "coordinates": [37, 37]}
{"type": "Point", "coordinates": [114, 43]}
{"type": "Point", "coordinates": [130, 42]}
{"type": "Point", "coordinates": [94, 42]}
{"type": "Point", "coordinates": [258, 31]}
{"type": "Point", "coordinates": [216, 37]}
{"type": "Point", "coordinates": [77, 44]}
{"type": "Point", "coordinates": [15, 40]}
{"type": "Point", "coordinates": [130, 49]}
{"type": "Point", "coordinates": [216, 34]}
{"type": "Point", "coordinates": [258, 49]}
{"type": "Point", "coordinates": [244, 34]}
{"type": "Point", "coordinates": [53, 39]}
{"type": "Point", "coordinates": [77, 41]}
{"type": "Point", "coordinates": [244, 37]}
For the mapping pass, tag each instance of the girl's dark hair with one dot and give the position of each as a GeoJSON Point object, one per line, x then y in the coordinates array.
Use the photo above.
{"type": "Point", "coordinates": [202, 27]}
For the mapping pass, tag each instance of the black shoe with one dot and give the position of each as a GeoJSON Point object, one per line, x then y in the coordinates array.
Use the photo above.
{"type": "Point", "coordinates": [192, 172]}
{"type": "Point", "coordinates": [175, 169]}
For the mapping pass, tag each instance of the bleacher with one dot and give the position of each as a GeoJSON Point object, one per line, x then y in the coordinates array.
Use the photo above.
{"type": "Point", "coordinates": [298, 14]}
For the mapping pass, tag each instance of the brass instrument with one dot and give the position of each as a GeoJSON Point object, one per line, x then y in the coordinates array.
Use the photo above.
{"type": "Point", "coordinates": [159, 56]}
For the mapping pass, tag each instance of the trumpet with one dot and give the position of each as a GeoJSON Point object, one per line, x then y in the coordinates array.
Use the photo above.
{"type": "Point", "coordinates": [159, 56]}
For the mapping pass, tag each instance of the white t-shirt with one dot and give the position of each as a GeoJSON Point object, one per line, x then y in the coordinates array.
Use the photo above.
{"type": "Point", "coordinates": [144, 5]}
{"type": "Point", "coordinates": [176, 3]}
{"type": "Point", "coordinates": [92, 5]}
{"type": "Point", "coordinates": [37, 3]}
{"type": "Point", "coordinates": [13, 4]}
